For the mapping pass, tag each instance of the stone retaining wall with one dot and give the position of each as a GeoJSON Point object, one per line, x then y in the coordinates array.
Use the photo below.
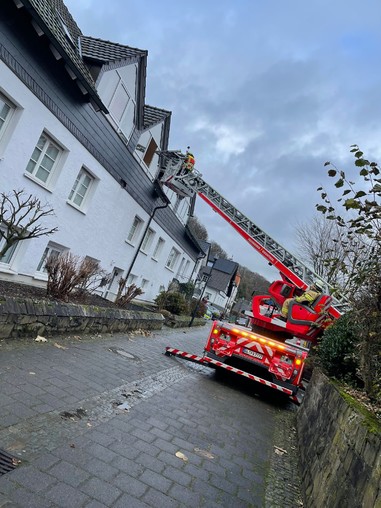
{"type": "Point", "coordinates": [340, 450]}
{"type": "Point", "coordinates": [183, 321]}
{"type": "Point", "coordinates": [22, 317]}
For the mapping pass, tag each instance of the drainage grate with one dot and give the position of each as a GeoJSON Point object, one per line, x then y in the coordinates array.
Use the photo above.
{"type": "Point", "coordinates": [7, 462]}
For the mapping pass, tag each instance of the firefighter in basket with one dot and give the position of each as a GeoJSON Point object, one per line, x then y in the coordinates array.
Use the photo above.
{"type": "Point", "coordinates": [189, 162]}
{"type": "Point", "coordinates": [308, 297]}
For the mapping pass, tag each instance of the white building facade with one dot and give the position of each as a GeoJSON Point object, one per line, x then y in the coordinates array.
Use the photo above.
{"type": "Point", "coordinates": [76, 134]}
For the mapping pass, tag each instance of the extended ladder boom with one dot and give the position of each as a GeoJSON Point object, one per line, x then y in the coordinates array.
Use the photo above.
{"type": "Point", "coordinates": [189, 184]}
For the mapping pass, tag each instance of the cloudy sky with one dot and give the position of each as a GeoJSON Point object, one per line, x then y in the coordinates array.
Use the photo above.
{"type": "Point", "coordinates": [264, 92]}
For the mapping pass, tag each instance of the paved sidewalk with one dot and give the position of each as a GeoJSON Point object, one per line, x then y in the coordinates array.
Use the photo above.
{"type": "Point", "coordinates": [111, 421]}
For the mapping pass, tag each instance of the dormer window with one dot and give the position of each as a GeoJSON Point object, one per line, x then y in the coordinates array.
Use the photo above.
{"type": "Point", "coordinates": [119, 102]}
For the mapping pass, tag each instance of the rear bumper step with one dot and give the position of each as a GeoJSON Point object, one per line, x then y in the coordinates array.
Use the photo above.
{"type": "Point", "coordinates": [204, 360]}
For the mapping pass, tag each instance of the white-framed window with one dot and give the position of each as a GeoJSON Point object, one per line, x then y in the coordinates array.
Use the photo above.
{"type": "Point", "coordinates": [122, 108]}
{"type": "Point", "coordinates": [7, 109]}
{"type": "Point", "coordinates": [8, 256]}
{"type": "Point", "coordinates": [144, 283]}
{"type": "Point", "coordinates": [119, 102]}
{"type": "Point", "coordinates": [181, 268]}
{"type": "Point", "coordinates": [147, 240]}
{"type": "Point", "coordinates": [186, 268]}
{"type": "Point", "coordinates": [161, 288]}
{"type": "Point", "coordinates": [135, 229]}
{"type": "Point", "coordinates": [81, 188]}
{"type": "Point", "coordinates": [172, 258]}
{"type": "Point", "coordinates": [131, 279]}
{"type": "Point", "coordinates": [44, 159]}
{"type": "Point", "coordinates": [158, 248]}
{"type": "Point", "coordinates": [52, 249]}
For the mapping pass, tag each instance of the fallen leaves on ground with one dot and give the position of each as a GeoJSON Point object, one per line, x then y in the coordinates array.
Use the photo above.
{"type": "Point", "coordinates": [40, 339]}
{"type": "Point", "coordinates": [181, 456]}
{"type": "Point", "coordinates": [279, 451]}
{"type": "Point", "coordinates": [59, 346]}
{"type": "Point", "coordinates": [360, 395]}
{"type": "Point", "coordinates": [204, 453]}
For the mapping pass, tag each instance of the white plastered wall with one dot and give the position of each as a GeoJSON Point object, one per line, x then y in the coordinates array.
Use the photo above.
{"type": "Point", "coordinates": [101, 231]}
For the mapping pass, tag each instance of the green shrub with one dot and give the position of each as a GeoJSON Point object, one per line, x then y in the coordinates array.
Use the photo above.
{"type": "Point", "coordinates": [336, 353]}
{"type": "Point", "coordinates": [187, 289]}
{"type": "Point", "coordinates": [174, 302]}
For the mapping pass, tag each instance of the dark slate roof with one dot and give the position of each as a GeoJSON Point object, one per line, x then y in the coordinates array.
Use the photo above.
{"type": "Point", "coordinates": [194, 240]}
{"type": "Point", "coordinates": [222, 273]}
{"type": "Point", "coordinates": [106, 51]}
{"type": "Point", "coordinates": [153, 116]}
{"type": "Point", "coordinates": [226, 266]}
{"type": "Point", "coordinates": [48, 15]}
{"type": "Point", "coordinates": [218, 280]}
{"type": "Point", "coordinates": [205, 246]}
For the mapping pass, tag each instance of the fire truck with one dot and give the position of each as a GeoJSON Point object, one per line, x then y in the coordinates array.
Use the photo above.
{"type": "Point", "coordinates": [274, 349]}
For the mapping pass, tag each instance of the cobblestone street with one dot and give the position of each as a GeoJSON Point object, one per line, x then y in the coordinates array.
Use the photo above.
{"type": "Point", "coordinates": [111, 421]}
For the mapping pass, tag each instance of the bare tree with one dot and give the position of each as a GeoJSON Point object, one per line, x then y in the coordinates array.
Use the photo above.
{"type": "Point", "coordinates": [198, 229]}
{"type": "Point", "coordinates": [252, 283]}
{"type": "Point", "coordinates": [317, 241]}
{"type": "Point", "coordinates": [21, 217]}
{"type": "Point", "coordinates": [217, 251]}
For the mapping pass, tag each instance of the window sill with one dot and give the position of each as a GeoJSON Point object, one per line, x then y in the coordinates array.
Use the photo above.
{"type": "Point", "coordinates": [76, 207]}
{"type": "Point", "coordinates": [154, 259]}
{"type": "Point", "coordinates": [6, 269]}
{"type": "Point", "coordinates": [37, 181]}
{"type": "Point", "coordinates": [130, 243]}
{"type": "Point", "coordinates": [170, 269]}
{"type": "Point", "coordinates": [41, 276]}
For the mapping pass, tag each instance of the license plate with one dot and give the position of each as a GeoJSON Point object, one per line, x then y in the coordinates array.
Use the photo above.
{"type": "Point", "coordinates": [254, 354]}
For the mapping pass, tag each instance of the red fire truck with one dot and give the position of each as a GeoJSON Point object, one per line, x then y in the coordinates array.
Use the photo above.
{"type": "Point", "coordinates": [274, 349]}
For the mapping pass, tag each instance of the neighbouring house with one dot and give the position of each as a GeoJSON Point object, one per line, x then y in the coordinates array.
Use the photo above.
{"type": "Point", "coordinates": [218, 283]}
{"type": "Point", "coordinates": [75, 132]}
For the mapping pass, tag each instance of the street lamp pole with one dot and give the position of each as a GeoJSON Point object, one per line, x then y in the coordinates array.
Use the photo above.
{"type": "Point", "coordinates": [198, 302]}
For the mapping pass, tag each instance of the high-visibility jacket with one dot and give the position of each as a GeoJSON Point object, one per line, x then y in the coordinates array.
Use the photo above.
{"type": "Point", "coordinates": [308, 296]}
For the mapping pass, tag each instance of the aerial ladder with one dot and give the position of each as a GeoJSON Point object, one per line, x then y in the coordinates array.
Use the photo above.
{"type": "Point", "coordinates": [270, 333]}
